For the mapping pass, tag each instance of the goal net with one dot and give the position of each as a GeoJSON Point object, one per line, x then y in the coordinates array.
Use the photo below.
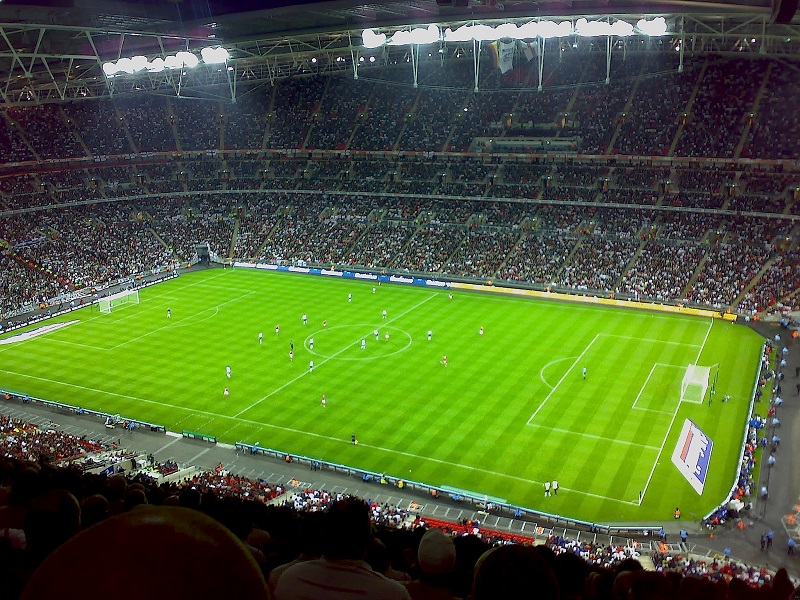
{"type": "Point", "coordinates": [695, 383]}
{"type": "Point", "coordinates": [115, 301]}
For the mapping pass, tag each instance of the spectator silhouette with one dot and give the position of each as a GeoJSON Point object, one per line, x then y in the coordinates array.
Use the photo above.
{"type": "Point", "coordinates": [310, 532]}
{"type": "Point", "coordinates": [192, 556]}
{"type": "Point", "coordinates": [436, 559]}
{"type": "Point", "coordinates": [514, 571]}
{"type": "Point", "coordinates": [341, 572]}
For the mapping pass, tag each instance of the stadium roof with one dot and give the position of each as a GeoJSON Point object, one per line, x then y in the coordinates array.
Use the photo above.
{"type": "Point", "coordinates": [53, 50]}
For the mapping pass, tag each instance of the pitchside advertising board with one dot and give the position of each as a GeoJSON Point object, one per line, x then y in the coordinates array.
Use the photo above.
{"type": "Point", "coordinates": [346, 274]}
{"type": "Point", "coordinates": [692, 455]}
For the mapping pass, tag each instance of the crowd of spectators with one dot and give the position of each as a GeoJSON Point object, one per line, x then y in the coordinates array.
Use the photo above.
{"type": "Point", "coordinates": [774, 130]}
{"type": "Point", "coordinates": [659, 271]}
{"type": "Point", "coordinates": [597, 263]}
{"type": "Point", "coordinates": [776, 287]}
{"type": "Point", "coordinates": [727, 269]}
{"type": "Point", "coordinates": [27, 442]}
{"type": "Point", "coordinates": [651, 125]}
{"type": "Point", "coordinates": [538, 257]}
{"type": "Point", "coordinates": [70, 248]}
{"type": "Point", "coordinates": [643, 110]}
{"type": "Point", "coordinates": [62, 249]}
{"type": "Point", "coordinates": [720, 110]}
{"type": "Point", "coordinates": [258, 536]}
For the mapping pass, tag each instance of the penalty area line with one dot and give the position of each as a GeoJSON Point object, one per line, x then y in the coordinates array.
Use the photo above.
{"type": "Point", "coordinates": [672, 421]}
{"type": "Point", "coordinates": [551, 363]}
{"type": "Point", "coordinates": [560, 381]}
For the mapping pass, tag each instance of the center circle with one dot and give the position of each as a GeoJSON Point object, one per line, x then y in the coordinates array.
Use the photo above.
{"type": "Point", "coordinates": [343, 342]}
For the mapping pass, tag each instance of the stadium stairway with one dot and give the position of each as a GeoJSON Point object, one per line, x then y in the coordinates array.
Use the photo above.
{"type": "Point", "coordinates": [688, 110]}
{"type": "Point", "coordinates": [696, 274]}
{"type": "Point", "coordinates": [510, 253]}
{"type": "Point", "coordinates": [173, 126]}
{"type": "Point", "coordinates": [73, 130]}
{"type": "Point", "coordinates": [161, 241]}
{"type": "Point", "coordinates": [270, 109]}
{"type": "Point", "coordinates": [234, 238]}
{"type": "Point", "coordinates": [756, 278]}
{"type": "Point", "coordinates": [124, 124]}
{"type": "Point", "coordinates": [647, 562]}
{"type": "Point", "coordinates": [573, 98]}
{"type": "Point", "coordinates": [568, 259]}
{"type": "Point", "coordinates": [737, 153]}
{"type": "Point", "coordinates": [625, 110]}
{"type": "Point", "coordinates": [13, 125]}
{"type": "Point", "coordinates": [642, 243]}
{"type": "Point", "coordinates": [263, 244]}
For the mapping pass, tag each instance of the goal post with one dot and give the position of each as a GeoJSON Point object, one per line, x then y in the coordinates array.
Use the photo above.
{"type": "Point", "coordinates": [115, 301]}
{"type": "Point", "coordinates": [694, 384]}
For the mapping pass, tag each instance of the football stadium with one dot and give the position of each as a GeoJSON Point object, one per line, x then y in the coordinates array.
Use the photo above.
{"type": "Point", "coordinates": [345, 296]}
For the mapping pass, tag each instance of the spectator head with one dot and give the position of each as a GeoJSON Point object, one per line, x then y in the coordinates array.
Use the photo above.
{"type": "Point", "coordinates": [643, 584]}
{"type": "Point", "coordinates": [52, 518]}
{"type": "Point", "coordinates": [190, 498]}
{"type": "Point", "coordinates": [133, 498]}
{"type": "Point", "coordinates": [378, 556]}
{"type": "Point", "coordinates": [26, 484]}
{"type": "Point", "coordinates": [348, 530]}
{"type": "Point", "coordinates": [437, 553]}
{"type": "Point", "coordinates": [93, 510]}
{"type": "Point", "coordinates": [192, 556]}
{"type": "Point", "coordinates": [572, 572]}
{"type": "Point", "coordinates": [508, 571]}
{"type": "Point", "coordinates": [115, 488]}
{"type": "Point", "coordinates": [312, 525]}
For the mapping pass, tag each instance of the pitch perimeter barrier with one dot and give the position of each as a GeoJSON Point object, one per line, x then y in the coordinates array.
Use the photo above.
{"type": "Point", "coordinates": [114, 419]}
{"type": "Point", "coordinates": [545, 294]}
{"type": "Point", "coordinates": [194, 435]}
{"type": "Point", "coordinates": [489, 504]}
{"type": "Point", "coordinates": [744, 438]}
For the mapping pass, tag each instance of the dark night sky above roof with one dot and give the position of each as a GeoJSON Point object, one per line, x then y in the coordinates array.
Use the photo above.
{"type": "Point", "coordinates": [238, 19]}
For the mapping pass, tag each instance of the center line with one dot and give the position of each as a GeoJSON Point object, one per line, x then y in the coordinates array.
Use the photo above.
{"type": "Point", "coordinates": [331, 357]}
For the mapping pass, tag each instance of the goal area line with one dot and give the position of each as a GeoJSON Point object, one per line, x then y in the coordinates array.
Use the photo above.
{"type": "Point", "coordinates": [635, 405]}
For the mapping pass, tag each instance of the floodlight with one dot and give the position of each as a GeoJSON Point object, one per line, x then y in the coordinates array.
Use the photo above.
{"type": "Point", "coordinates": [156, 66]}
{"type": "Point", "coordinates": [214, 55]}
{"type": "Point", "coordinates": [187, 59]}
{"type": "Point", "coordinates": [125, 65]}
{"type": "Point", "coordinates": [416, 36]}
{"type": "Point", "coordinates": [551, 29]}
{"type": "Point", "coordinates": [138, 62]}
{"type": "Point", "coordinates": [462, 34]}
{"type": "Point", "coordinates": [507, 30]}
{"type": "Point", "coordinates": [371, 39]}
{"type": "Point", "coordinates": [656, 27]}
{"type": "Point", "coordinates": [528, 30]}
{"type": "Point", "coordinates": [484, 33]}
{"type": "Point", "coordinates": [621, 29]}
{"type": "Point", "coordinates": [592, 28]}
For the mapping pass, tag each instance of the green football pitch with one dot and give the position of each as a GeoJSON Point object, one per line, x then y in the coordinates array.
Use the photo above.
{"type": "Point", "coordinates": [510, 410]}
